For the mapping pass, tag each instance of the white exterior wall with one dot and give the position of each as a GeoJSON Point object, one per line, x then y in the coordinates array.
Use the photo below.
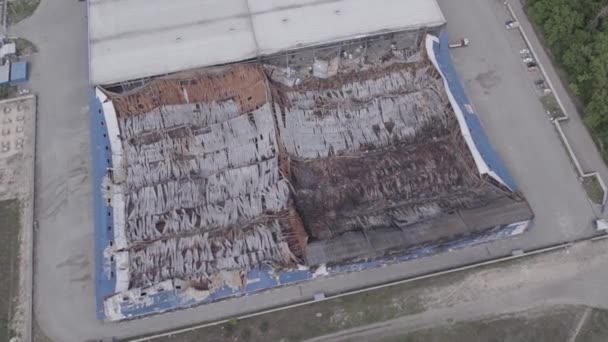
{"type": "Point", "coordinates": [121, 259]}
{"type": "Point", "coordinates": [112, 126]}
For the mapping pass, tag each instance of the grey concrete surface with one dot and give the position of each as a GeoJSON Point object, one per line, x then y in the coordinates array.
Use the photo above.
{"type": "Point", "coordinates": [580, 140]}
{"type": "Point", "coordinates": [63, 276]}
{"type": "Point", "coordinates": [64, 279]}
{"type": "Point", "coordinates": [573, 276]}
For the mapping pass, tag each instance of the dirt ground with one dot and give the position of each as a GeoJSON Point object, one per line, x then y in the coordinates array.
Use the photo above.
{"type": "Point", "coordinates": [595, 327]}
{"type": "Point", "coordinates": [314, 320]}
{"type": "Point", "coordinates": [325, 317]}
{"type": "Point", "coordinates": [568, 323]}
{"type": "Point", "coordinates": [337, 314]}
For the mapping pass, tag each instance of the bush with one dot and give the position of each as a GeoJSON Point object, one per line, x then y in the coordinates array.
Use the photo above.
{"type": "Point", "coordinates": [21, 9]}
{"type": "Point", "coordinates": [7, 91]}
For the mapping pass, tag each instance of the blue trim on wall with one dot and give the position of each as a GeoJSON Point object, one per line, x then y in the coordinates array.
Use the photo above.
{"type": "Point", "coordinates": [444, 60]}
{"type": "Point", "coordinates": [105, 277]}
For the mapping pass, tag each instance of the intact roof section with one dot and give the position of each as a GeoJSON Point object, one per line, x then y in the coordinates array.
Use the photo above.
{"type": "Point", "coordinates": [132, 39]}
{"type": "Point", "coordinates": [316, 22]}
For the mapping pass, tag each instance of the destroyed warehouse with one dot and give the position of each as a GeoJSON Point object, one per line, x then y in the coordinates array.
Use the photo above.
{"type": "Point", "coordinates": [307, 147]}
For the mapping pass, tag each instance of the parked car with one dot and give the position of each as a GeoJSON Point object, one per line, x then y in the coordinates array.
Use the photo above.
{"type": "Point", "coordinates": [532, 66]}
{"type": "Point", "coordinates": [509, 24]}
{"type": "Point", "coordinates": [459, 43]}
{"type": "Point", "coordinates": [524, 52]}
{"type": "Point", "coordinates": [528, 60]}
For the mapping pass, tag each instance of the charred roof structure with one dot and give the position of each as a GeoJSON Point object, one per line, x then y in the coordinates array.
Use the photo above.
{"type": "Point", "coordinates": [330, 158]}
{"type": "Point", "coordinates": [351, 153]}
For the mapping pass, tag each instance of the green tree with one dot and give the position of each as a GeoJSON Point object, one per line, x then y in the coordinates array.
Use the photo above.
{"type": "Point", "coordinates": [577, 34]}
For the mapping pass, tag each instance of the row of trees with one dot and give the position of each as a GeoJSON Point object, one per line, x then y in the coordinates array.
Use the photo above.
{"type": "Point", "coordinates": [576, 31]}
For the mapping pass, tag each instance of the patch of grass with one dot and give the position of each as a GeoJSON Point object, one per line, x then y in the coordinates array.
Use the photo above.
{"type": "Point", "coordinates": [7, 91]}
{"type": "Point", "coordinates": [21, 9]}
{"type": "Point", "coordinates": [595, 328]}
{"type": "Point", "coordinates": [553, 324]}
{"type": "Point", "coordinates": [24, 47]}
{"type": "Point", "coordinates": [551, 106]}
{"type": "Point", "coordinates": [264, 326]}
{"type": "Point", "coordinates": [593, 189]}
{"type": "Point", "coordinates": [9, 262]}
{"type": "Point", "coordinates": [4, 330]}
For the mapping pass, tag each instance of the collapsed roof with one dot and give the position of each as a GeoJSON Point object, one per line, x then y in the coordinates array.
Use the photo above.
{"type": "Point", "coordinates": [133, 39]}
{"type": "Point", "coordinates": [332, 159]}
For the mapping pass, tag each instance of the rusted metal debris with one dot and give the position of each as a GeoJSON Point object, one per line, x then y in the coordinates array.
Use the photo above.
{"type": "Point", "coordinates": [229, 169]}
{"type": "Point", "coordinates": [241, 83]}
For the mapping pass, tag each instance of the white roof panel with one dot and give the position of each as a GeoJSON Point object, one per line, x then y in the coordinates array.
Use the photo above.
{"type": "Point", "coordinates": [131, 39]}
{"type": "Point", "coordinates": [282, 28]}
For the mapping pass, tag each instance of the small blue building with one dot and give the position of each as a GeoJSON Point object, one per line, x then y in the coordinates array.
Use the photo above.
{"type": "Point", "coordinates": [5, 74]}
{"type": "Point", "coordinates": [18, 72]}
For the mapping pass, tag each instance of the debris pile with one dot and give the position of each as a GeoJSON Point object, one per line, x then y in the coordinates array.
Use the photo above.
{"type": "Point", "coordinates": [349, 157]}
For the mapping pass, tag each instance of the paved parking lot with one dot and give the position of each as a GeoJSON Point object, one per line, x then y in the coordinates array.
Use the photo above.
{"type": "Point", "coordinates": [503, 93]}
{"type": "Point", "coordinates": [497, 82]}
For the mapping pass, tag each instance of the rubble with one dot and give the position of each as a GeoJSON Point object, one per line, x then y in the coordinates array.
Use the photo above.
{"type": "Point", "coordinates": [351, 154]}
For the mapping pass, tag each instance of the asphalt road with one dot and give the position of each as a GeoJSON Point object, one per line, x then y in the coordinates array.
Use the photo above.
{"type": "Point", "coordinates": [574, 276]}
{"type": "Point", "coordinates": [500, 89]}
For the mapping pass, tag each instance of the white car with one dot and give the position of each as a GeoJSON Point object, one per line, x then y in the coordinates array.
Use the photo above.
{"type": "Point", "coordinates": [528, 60]}
{"type": "Point", "coordinates": [524, 52]}
{"type": "Point", "coordinates": [511, 24]}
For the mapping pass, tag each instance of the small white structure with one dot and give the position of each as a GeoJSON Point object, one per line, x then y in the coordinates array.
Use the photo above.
{"type": "Point", "coordinates": [8, 50]}
{"type": "Point", "coordinates": [601, 225]}
{"type": "Point", "coordinates": [319, 296]}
